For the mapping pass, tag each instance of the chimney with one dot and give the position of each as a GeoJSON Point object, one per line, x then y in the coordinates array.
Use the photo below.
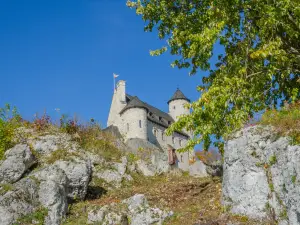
{"type": "Point", "coordinates": [121, 91]}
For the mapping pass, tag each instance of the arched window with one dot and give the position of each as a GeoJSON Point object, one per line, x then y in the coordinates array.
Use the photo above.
{"type": "Point", "coordinates": [140, 123]}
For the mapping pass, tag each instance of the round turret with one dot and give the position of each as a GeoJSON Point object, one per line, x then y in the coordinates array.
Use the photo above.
{"type": "Point", "coordinates": [176, 105]}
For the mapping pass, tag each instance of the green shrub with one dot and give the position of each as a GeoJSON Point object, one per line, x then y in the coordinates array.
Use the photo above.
{"type": "Point", "coordinates": [286, 121]}
{"type": "Point", "coordinates": [70, 126]}
{"type": "Point", "coordinates": [273, 160]}
{"type": "Point", "coordinates": [93, 139]}
{"type": "Point", "coordinates": [9, 121]}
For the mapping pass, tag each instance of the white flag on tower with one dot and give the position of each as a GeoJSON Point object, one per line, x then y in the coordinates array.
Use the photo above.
{"type": "Point", "coordinates": [115, 75]}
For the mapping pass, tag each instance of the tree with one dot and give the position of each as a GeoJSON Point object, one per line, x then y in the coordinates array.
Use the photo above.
{"type": "Point", "coordinates": [260, 66]}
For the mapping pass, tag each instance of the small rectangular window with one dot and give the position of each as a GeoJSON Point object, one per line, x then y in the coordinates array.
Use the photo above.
{"type": "Point", "coordinates": [173, 140]}
{"type": "Point", "coordinates": [127, 127]}
{"type": "Point", "coordinates": [163, 136]}
{"type": "Point", "coordinates": [180, 143]}
{"type": "Point", "coordinates": [140, 124]}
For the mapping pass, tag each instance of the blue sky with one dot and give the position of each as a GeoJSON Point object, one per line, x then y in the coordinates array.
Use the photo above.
{"type": "Point", "coordinates": [61, 54]}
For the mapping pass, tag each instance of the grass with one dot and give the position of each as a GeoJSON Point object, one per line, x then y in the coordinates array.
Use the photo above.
{"type": "Point", "coordinates": [93, 139]}
{"type": "Point", "coordinates": [4, 188]}
{"type": "Point", "coordinates": [191, 199]}
{"type": "Point", "coordinates": [286, 121]}
{"type": "Point", "coordinates": [60, 154]}
{"type": "Point", "coordinates": [37, 217]}
{"type": "Point", "coordinates": [273, 160]}
{"type": "Point", "coordinates": [294, 178]}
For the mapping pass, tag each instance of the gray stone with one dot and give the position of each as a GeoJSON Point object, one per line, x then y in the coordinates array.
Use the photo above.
{"type": "Point", "coordinates": [53, 193]}
{"type": "Point", "coordinates": [22, 199]}
{"type": "Point", "coordinates": [215, 168]}
{"type": "Point", "coordinates": [45, 145]}
{"type": "Point", "coordinates": [198, 169]}
{"type": "Point", "coordinates": [78, 172]}
{"type": "Point", "coordinates": [53, 196]}
{"type": "Point", "coordinates": [135, 209]}
{"type": "Point", "coordinates": [17, 161]}
{"type": "Point", "coordinates": [147, 170]}
{"type": "Point", "coordinates": [160, 162]}
{"type": "Point", "coordinates": [261, 175]}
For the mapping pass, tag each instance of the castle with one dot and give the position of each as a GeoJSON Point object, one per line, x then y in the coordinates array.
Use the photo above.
{"type": "Point", "coordinates": [137, 119]}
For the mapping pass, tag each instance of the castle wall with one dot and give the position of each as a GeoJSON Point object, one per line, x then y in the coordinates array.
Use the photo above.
{"type": "Point", "coordinates": [176, 108]}
{"type": "Point", "coordinates": [134, 123]}
{"type": "Point", "coordinates": [157, 136]}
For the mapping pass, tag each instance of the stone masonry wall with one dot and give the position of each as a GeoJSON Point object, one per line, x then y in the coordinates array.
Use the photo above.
{"type": "Point", "coordinates": [134, 122]}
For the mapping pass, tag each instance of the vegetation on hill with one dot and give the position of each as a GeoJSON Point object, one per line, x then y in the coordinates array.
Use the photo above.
{"type": "Point", "coordinates": [260, 66]}
{"type": "Point", "coordinates": [191, 199]}
{"type": "Point", "coordinates": [286, 121]}
{"type": "Point", "coordinates": [9, 122]}
{"type": "Point", "coordinates": [89, 135]}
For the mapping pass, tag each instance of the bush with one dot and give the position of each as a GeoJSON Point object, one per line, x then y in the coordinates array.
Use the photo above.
{"type": "Point", "coordinates": [93, 139]}
{"type": "Point", "coordinates": [69, 126]}
{"type": "Point", "coordinates": [286, 121]}
{"type": "Point", "coordinates": [41, 123]}
{"type": "Point", "coordinates": [9, 121]}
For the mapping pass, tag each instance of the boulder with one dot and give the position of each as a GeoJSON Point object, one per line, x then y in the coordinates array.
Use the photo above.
{"type": "Point", "coordinates": [147, 170]}
{"type": "Point", "coordinates": [52, 193]}
{"type": "Point", "coordinates": [45, 188]}
{"type": "Point", "coordinates": [261, 176]}
{"type": "Point", "coordinates": [160, 162]}
{"type": "Point", "coordinates": [198, 169]}
{"type": "Point", "coordinates": [214, 168]}
{"type": "Point", "coordinates": [135, 209]}
{"type": "Point", "coordinates": [47, 144]}
{"type": "Point", "coordinates": [114, 173]}
{"type": "Point", "coordinates": [21, 199]}
{"type": "Point", "coordinates": [17, 161]}
{"type": "Point", "coordinates": [78, 173]}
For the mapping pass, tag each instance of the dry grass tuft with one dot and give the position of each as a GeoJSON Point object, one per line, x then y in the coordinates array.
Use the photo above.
{"type": "Point", "coordinates": [286, 121]}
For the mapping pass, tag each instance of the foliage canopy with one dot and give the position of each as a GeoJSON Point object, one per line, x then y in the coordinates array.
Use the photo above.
{"type": "Point", "coordinates": [260, 66]}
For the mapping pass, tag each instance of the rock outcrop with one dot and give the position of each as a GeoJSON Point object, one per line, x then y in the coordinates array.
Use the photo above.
{"type": "Point", "coordinates": [78, 172]}
{"type": "Point", "coordinates": [133, 211]}
{"type": "Point", "coordinates": [261, 176]}
{"type": "Point", "coordinates": [17, 161]}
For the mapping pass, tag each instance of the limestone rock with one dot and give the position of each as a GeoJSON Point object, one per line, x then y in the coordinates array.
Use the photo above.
{"type": "Point", "coordinates": [17, 161]}
{"type": "Point", "coordinates": [147, 170]}
{"type": "Point", "coordinates": [53, 197]}
{"type": "Point", "coordinates": [160, 162]}
{"type": "Point", "coordinates": [114, 173]}
{"type": "Point", "coordinates": [20, 200]}
{"type": "Point", "coordinates": [47, 144]}
{"type": "Point", "coordinates": [135, 209]}
{"type": "Point", "coordinates": [78, 173]}
{"type": "Point", "coordinates": [215, 168]}
{"type": "Point", "coordinates": [261, 175]}
{"type": "Point", "coordinates": [198, 169]}
{"type": "Point", "coordinates": [53, 193]}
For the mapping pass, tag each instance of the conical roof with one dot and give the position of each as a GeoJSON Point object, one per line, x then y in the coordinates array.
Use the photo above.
{"type": "Point", "coordinates": [134, 102]}
{"type": "Point", "coordinates": [178, 95]}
